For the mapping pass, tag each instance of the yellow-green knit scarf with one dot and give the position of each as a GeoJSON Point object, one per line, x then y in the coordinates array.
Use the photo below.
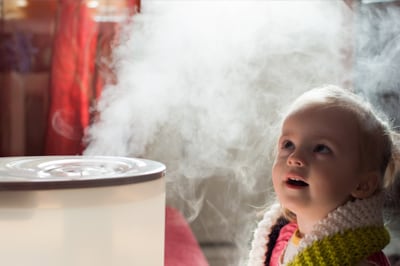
{"type": "Point", "coordinates": [347, 248]}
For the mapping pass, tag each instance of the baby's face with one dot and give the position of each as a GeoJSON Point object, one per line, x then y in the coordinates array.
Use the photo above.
{"type": "Point", "coordinates": [317, 164]}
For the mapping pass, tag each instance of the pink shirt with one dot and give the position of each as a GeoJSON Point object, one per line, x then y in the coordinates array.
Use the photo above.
{"type": "Point", "coordinates": [286, 233]}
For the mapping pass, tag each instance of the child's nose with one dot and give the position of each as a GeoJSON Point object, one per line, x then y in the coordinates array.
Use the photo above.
{"type": "Point", "coordinates": [296, 159]}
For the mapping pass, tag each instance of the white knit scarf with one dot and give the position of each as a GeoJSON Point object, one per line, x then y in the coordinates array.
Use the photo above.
{"type": "Point", "coordinates": [353, 214]}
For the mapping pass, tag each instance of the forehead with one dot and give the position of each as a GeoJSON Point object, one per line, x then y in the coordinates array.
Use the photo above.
{"type": "Point", "coordinates": [332, 122]}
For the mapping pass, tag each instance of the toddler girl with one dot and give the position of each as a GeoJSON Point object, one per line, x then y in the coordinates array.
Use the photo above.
{"type": "Point", "coordinates": [334, 159]}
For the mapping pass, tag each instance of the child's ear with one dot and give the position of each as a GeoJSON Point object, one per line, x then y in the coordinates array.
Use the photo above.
{"type": "Point", "coordinates": [368, 185]}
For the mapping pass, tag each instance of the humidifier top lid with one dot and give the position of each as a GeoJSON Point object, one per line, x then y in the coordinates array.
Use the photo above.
{"type": "Point", "coordinates": [59, 172]}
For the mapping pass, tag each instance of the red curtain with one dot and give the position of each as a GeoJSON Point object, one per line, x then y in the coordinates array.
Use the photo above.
{"type": "Point", "coordinates": [75, 78]}
{"type": "Point", "coordinates": [72, 65]}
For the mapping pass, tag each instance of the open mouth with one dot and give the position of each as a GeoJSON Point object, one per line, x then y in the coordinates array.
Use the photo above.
{"type": "Point", "coordinates": [296, 182]}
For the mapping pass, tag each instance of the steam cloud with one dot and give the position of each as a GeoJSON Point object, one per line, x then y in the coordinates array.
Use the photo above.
{"type": "Point", "coordinates": [200, 88]}
{"type": "Point", "coordinates": [378, 56]}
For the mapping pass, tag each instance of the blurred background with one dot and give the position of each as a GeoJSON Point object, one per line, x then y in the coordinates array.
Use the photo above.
{"type": "Point", "coordinates": [198, 85]}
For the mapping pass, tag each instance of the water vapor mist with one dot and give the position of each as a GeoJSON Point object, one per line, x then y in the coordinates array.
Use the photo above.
{"type": "Point", "coordinates": [200, 88]}
{"type": "Point", "coordinates": [377, 57]}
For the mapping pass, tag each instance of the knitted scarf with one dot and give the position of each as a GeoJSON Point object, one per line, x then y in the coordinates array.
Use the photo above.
{"type": "Point", "coordinates": [346, 236]}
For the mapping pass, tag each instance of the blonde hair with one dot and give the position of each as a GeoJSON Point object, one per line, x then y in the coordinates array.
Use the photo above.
{"type": "Point", "coordinates": [379, 144]}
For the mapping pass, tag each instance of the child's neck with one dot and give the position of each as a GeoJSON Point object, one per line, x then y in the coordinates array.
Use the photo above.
{"type": "Point", "coordinates": [305, 226]}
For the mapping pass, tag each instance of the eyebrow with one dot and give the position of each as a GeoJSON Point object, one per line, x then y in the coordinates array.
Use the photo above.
{"type": "Point", "coordinates": [329, 139]}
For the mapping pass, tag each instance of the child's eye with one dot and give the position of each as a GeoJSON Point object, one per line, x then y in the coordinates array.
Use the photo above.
{"type": "Point", "coordinates": [321, 148]}
{"type": "Point", "coordinates": [287, 144]}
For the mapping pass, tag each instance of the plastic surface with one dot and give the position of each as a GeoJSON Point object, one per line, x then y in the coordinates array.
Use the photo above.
{"type": "Point", "coordinates": [106, 225]}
